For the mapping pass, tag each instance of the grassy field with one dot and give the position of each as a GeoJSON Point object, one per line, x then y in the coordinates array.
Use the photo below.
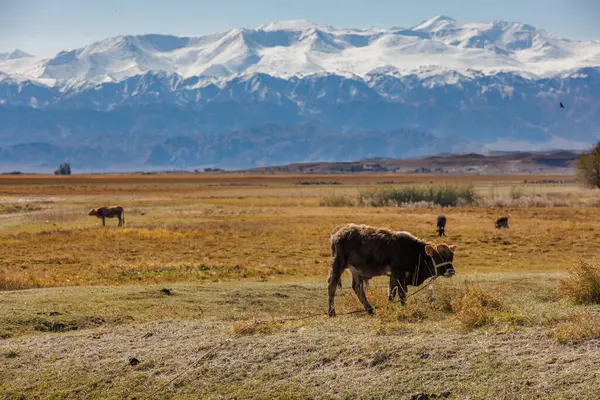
{"type": "Point", "coordinates": [215, 288]}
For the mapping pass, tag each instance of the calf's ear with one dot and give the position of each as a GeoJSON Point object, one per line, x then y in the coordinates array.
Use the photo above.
{"type": "Point", "coordinates": [429, 250]}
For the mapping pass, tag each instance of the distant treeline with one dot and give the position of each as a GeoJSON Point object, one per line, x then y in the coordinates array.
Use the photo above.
{"type": "Point", "coordinates": [548, 181]}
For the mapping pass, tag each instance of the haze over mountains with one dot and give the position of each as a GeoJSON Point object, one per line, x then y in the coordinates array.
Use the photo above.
{"type": "Point", "coordinates": [296, 91]}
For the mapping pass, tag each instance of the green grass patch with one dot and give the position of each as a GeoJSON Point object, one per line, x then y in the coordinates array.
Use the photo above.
{"type": "Point", "coordinates": [444, 196]}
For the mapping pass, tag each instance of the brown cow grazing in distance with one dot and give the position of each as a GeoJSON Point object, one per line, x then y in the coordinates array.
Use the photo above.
{"type": "Point", "coordinates": [502, 222]}
{"type": "Point", "coordinates": [374, 252]}
{"type": "Point", "coordinates": [109, 212]}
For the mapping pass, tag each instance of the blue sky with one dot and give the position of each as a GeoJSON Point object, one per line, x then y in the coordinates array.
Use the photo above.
{"type": "Point", "coordinates": [44, 27]}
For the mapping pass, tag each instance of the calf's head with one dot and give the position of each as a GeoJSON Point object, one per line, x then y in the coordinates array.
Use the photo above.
{"type": "Point", "coordinates": [442, 256]}
{"type": "Point", "coordinates": [93, 211]}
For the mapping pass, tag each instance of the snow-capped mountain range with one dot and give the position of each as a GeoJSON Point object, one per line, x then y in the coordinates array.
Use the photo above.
{"type": "Point", "coordinates": [298, 48]}
{"type": "Point", "coordinates": [490, 85]}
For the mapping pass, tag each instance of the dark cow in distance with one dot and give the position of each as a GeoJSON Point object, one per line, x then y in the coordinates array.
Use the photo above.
{"type": "Point", "coordinates": [502, 222]}
{"type": "Point", "coordinates": [109, 212]}
{"type": "Point", "coordinates": [441, 225]}
{"type": "Point", "coordinates": [374, 252]}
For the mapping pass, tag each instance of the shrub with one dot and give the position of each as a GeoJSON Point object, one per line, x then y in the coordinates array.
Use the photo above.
{"type": "Point", "coordinates": [473, 307]}
{"type": "Point", "coordinates": [582, 325]}
{"type": "Point", "coordinates": [583, 283]}
{"type": "Point", "coordinates": [444, 196]}
{"type": "Point", "coordinates": [63, 169]}
{"type": "Point", "coordinates": [516, 192]}
{"type": "Point", "coordinates": [588, 166]}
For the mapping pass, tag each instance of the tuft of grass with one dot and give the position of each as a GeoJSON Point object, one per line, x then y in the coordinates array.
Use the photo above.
{"type": "Point", "coordinates": [583, 283]}
{"type": "Point", "coordinates": [11, 354]}
{"type": "Point", "coordinates": [444, 196]}
{"type": "Point", "coordinates": [18, 208]}
{"type": "Point", "coordinates": [474, 307]}
{"type": "Point", "coordinates": [5, 334]}
{"type": "Point", "coordinates": [581, 325]}
{"type": "Point", "coordinates": [245, 327]}
{"type": "Point", "coordinates": [16, 283]}
{"type": "Point", "coordinates": [254, 326]}
{"type": "Point", "coordinates": [333, 200]}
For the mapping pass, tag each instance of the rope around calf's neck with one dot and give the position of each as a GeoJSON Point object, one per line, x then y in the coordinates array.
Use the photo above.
{"type": "Point", "coordinates": [433, 278]}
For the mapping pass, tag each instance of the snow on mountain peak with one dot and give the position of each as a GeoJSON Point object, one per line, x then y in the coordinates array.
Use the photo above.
{"type": "Point", "coordinates": [291, 25]}
{"type": "Point", "coordinates": [436, 24]}
{"type": "Point", "coordinates": [301, 47]}
{"type": "Point", "coordinates": [14, 55]}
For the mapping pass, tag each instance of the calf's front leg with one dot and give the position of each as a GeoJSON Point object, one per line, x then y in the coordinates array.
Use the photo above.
{"type": "Point", "coordinates": [358, 285]}
{"type": "Point", "coordinates": [392, 288]}
{"type": "Point", "coordinates": [402, 292]}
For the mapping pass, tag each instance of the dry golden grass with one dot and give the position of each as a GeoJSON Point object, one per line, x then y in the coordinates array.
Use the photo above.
{"type": "Point", "coordinates": [580, 326]}
{"type": "Point", "coordinates": [198, 228]}
{"type": "Point", "coordinates": [245, 258]}
{"type": "Point", "coordinates": [18, 208]}
{"type": "Point", "coordinates": [86, 336]}
{"type": "Point", "coordinates": [253, 325]}
{"type": "Point", "coordinates": [474, 307]}
{"type": "Point", "coordinates": [583, 283]}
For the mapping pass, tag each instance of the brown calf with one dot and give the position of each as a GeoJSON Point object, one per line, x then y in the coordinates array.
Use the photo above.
{"type": "Point", "coordinates": [109, 212]}
{"type": "Point", "coordinates": [374, 252]}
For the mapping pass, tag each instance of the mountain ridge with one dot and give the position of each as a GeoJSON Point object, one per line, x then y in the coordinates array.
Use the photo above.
{"type": "Point", "coordinates": [492, 86]}
{"type": "Point", "coordinates": [297, 48]}
{"type": "Point", "coordinates": [489, 163]}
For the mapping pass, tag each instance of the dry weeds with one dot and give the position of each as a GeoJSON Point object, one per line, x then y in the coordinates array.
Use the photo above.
{"type": "Point", "coordinates": [474, 307]}
{"type": "Point", "coordinates": [583, 283]}
{"type": "Point", "coordinates": [18, 208]}
{"type": "Point", "coordinates": [581, 325]}
{"type": "Point", "coordinates": [76, 343]}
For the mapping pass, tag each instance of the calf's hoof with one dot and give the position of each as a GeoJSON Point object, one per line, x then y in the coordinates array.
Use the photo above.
{"type": "Point", "coordinates": [331, 313]}
{"type": "Point", "coordinates": [370, 311]}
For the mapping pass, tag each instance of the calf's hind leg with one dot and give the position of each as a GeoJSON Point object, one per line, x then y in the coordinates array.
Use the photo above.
{"type": "Point", "coordinates": [338, 264]}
